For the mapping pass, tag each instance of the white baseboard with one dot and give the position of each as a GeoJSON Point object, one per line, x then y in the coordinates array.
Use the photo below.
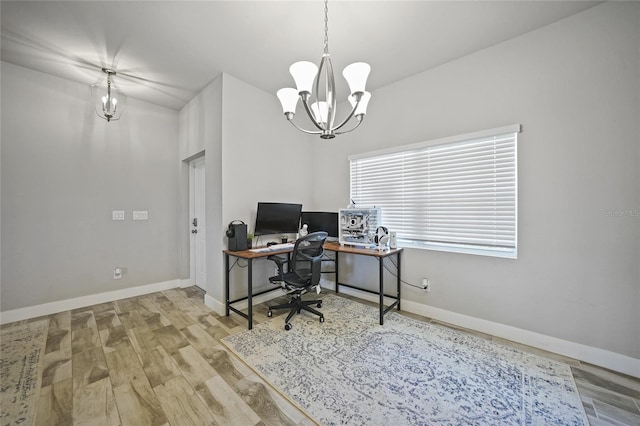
{"type": "Point", "coordinates": [186, 283]}
{"type": "Point", "coordinates": [80, 302]}
{"type": "Point", "coordinates": [214, 304]}
{"type": "Point", "coordinates": [601, 357]}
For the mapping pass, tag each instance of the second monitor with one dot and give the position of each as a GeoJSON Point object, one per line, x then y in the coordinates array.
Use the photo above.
{"type": "Point", "coordinates": [321, 221]}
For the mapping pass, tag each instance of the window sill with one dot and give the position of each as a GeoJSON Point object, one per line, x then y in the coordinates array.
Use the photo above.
{"type": "Point", "coordinates": [452, 248]}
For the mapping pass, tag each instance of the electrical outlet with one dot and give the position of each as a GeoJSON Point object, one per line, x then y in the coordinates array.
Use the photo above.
{"type": "Point", "coordinates": [426, 284]}
{"type": "Point", "coordinates": [117, 273]}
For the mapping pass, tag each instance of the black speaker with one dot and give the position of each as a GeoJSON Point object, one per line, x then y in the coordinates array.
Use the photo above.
{"type": "Point", "coordinates": [237, 234]}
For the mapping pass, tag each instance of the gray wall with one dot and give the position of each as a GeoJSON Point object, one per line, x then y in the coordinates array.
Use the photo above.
{"type": "Point", "coordinates": [63, 172]}
{"type": "Point", "coordinates": [251, 154]}
{"type": "Point", "coordinates": [574, 86]}
{"type": "Point", "coordinates": [201, 134]}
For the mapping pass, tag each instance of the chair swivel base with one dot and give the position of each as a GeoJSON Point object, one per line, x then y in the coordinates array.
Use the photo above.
{"type": "Point", "coordinates": [297, 305]}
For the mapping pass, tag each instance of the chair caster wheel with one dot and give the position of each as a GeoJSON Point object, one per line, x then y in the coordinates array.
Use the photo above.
{"type": "Point", "coordinates": [319, 305]}
{"type": "Point", "coordinates": [321, 319]}
{"type": "Point", "coordinates": [269, 314]}
{"type": "Point", "coordinates": [287, 326]}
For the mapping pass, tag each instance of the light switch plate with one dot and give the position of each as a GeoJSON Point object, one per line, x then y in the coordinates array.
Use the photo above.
{"type": "Point", "coordinates": [117, 215]}
{"type": "Point", "coordinates": [140, 215]}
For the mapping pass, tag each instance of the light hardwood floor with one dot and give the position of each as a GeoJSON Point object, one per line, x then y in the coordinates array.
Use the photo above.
{"type": "Point", "coordinates": [157, 360]}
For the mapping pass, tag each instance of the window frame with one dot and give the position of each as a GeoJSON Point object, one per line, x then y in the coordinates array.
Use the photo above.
{"type": "Point", "coordinates": [458, 140]}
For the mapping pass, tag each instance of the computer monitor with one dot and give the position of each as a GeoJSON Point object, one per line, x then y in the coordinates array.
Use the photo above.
{"type": "Point", "coordinates": [321, 221]}
{"type": "Point", "coordinates": [277, 218]}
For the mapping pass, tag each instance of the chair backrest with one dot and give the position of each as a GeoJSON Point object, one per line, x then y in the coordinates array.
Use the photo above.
{"type": "Point", "coordinates": [306, 259]}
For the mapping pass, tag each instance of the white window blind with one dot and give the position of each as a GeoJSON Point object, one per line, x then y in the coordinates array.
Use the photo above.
{"type": "Point", "coordinates": [455, 194]}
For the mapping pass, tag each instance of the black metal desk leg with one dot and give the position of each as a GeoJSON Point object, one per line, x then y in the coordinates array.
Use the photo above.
{"type": "Point", "coordinates": [337, 275]}
{"type": "Point", "coordinates": [226, 284]}
{"type": "Point", "coordinates": [380, 261]}
{"type": "Point", "coordinates": [399, 280]}
{"type": "Point", "coordinates": [250, 294]}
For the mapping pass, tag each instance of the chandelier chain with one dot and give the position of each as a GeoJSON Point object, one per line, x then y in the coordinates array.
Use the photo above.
{"type": "Point", "coordinates": [326, 26]}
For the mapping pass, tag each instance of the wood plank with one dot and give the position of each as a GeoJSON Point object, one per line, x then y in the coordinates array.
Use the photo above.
{"type": "Point", "coordinates": [206, 319]}
{"type": "Point", "coordinates": [124, 366]}
{"type": "Point", "coordinates": [177, 318]}
{"type": "Point", "coordinates": [114, 338]}
{"type": "Point", "coordinates": [83, 339]}
{"type": "Point", "coordinates": [144, 305]}
{"type": "Point", "coordinates": [132, 319]}
{"type": "Point", "coordinates": [142, 339]}
{"type": "Point", "coordinates": [182, 405]}
{"type": "Point", "coordinates": [59, 334]}
{"type": "Point", "coordinates": [123, 305]}
{"type": "Point", "coordinates": [272, 408]}
{"type": "Point", "coordinates": [168, 309]}
{"type": "Point", "coordinates": [193, 366]}
{"type": "Point", "coordinates": [56, 367]}
{"type": "Point", "coordinates": [184, 304]}
{"type": "Point", "coordinates": [224, 403]}
{"type": "Point", "coordinates": [193, 293]}
{"type": "Point", "coordinates": [101, 307]}
{"type": "Point", "coordinates": [199, 338]}
{"type": "Point", "coordinates": [55, 404]}
{"type": "Point", "coordinates": [226, 364]}
{"type": "Point", "coordinates": [88, 367]}
{"type": "Point", "coordinates": [158, 366]}
{"type": "Point", "coordinates": [211, 324]}
{"type": "Point", "coordinates": [94, 405]}
{"type": "Point", "coordinates": [217, 332]}
{"type": "Point", "coordinates": [56, 362]}
{"type": "Point", "coordinates": [170, 338]}
{"type": "Point", "coordinates": [107, 319]}
{"type": "Point", "coordinates": [156, 320]}
{"type": "Point", "coordinates": [82, 319]}
{"type": "Point", "coordinates": [138, 405]}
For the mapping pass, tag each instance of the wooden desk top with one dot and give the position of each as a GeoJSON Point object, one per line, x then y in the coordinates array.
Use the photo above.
{"type": "Point", "coordinates": [248, 254]}
{"type": "Point", "coordinates": [343, 248]}
{"type": "Point", "coordinates": [328, 245]}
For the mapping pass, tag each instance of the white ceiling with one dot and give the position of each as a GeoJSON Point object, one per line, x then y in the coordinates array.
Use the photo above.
{"type": "Point", "coordinates": [165, 52]}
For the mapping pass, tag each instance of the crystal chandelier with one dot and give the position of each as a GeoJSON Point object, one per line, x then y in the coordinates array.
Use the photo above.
{"type": "Point", "coordinates": [322, 111]}
{"type": "Point", "coordinates": [108, 101]}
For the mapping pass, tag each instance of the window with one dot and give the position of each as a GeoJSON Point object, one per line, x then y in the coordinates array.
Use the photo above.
{"type": "Point", "coordinates": [454, 194]}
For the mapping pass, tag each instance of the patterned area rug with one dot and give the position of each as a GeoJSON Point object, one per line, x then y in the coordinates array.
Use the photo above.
{"type": "Point", "coordinates": [350, 370]}
{"type": "Point", "coordinates": [21, 352]}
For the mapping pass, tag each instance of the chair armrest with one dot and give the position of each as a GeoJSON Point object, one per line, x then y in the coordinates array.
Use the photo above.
{"type": "Point", "coordinates": [280, 261]}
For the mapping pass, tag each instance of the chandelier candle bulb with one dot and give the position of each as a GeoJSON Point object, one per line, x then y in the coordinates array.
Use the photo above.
{"type": "Point", "coordinates": [289, 100]}
{"type": "Point", "coordinates": [304, 73]}
{"type": "Point", "coordinates": [356, 75]}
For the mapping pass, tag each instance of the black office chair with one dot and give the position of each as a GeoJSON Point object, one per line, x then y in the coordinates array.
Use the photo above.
{"type": "Point", "coordinates": [302, 276]}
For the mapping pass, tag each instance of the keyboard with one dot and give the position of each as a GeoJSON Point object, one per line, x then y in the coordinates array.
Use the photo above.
{"type": "Point", "coordinates": [274, 247]}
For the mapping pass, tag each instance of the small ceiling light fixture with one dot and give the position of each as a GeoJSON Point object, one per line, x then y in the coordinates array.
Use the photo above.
{"type": "Point", "coordinates": [322, 111]}
{"type": "Point", "coordinates": [108, 101]}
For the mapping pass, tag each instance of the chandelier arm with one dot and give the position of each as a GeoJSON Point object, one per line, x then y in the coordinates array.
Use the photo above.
{"type": "Point", "coordinates": [311, 132]}
{"type": "Point", "coordinates": [348, 117]}
{"type": "Point", "coordinates": [352, 129]}
{"type": "Point", "coordinates": [305, 99]}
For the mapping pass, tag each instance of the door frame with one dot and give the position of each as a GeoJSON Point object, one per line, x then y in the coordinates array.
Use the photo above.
{"type": "Point", "coordinates": [192, 197]}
